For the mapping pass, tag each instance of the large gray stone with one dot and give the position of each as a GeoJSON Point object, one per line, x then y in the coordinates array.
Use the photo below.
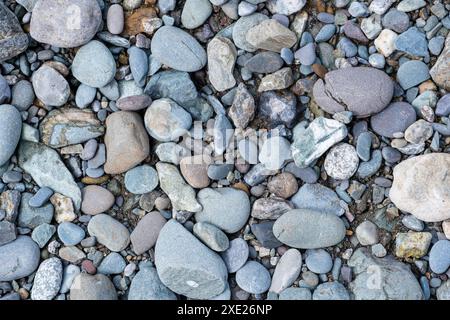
{"type": "Point", "coordinates": [10, 130]}
{"type": "Point", "coordinates": [47, 170]}
{"type": "Point", "coordinates": [30, 217]}
{"type": "Point", "coordinates": [242, 26]}
{"type": "Point", "coordinates": [50, 86]}
{"type": "Point", "coordinates": [317, 197]}
{"type": "Point", "coordinates": [109, 232]}
{"type": "Point", "coordinates": [47, 280]}
{"type": "Point", "coordinates": [146, 285]}
{"type": "Point", "coordinates": [13, 41]}
{"type": "Point", "coordinates": [397, 117]}
{"type": "Point", "coordinates": [18, 259]}
{"type": "Point", "coordinates": [187, 266]}
{"type": "Point", "coordinates": [89, 287]}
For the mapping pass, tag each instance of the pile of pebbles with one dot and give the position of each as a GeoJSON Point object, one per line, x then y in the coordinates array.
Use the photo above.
{"type": "Point", "coordinates": [224, 149]}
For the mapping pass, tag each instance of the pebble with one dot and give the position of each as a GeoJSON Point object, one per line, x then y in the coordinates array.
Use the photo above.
{"type": "Point", "coordinates": [14, 40]}
{"type": "Point", "coordinates": [47, 280]}
{"type": "Point", "coordinates": [96, 200]}
{"type": "Point", "coordinates": [317, 197]}
{"type": "Point", "coordinates": [18, 259]}
{"type": "Point", "coordinates": [270, 35]}
{"type": "Point", "coordinates": [331, 291]}
{"type": "Point", "coordinates": [283, 185]}
{"type": "Point", "coordinates": [85, 96]}
{"type": "Point", "coordinates": [10, 129]}
{"type": "Point", "coordinates": [412, 73]}
{"type": "Point", "coordinates": [69, 273]}
{"type": "Point", "coordinates": [92, 287]}
{"type": "Point", "coordinates": [441, 67]}
{"type": "Point", "coordinates": [363, 145]}
{"type": "Point", "coordinates": [275, 152]}
{"type": "Point", "coordinates": [397, 117]}
{"type": "Point", "coordinates": [326, 33]}
{"type": "Point", "coordinates": [297, 227]}
{"type": "Point", "coordinates": [369, 168]}
{"type": "Point", "coordinates": [294, 293]}
{"type": "Point", "coordinates": [22, 94]}
{"type": "Point", "coordinates": [253, 278]}
{"type": "Point", "coordinates": [32, 217]}
{"type": "Point", "coordinates": [221, 59]}
{"type": "Point", "coordinates": [70, 234]}
{"type": "Point", "coordinates": [286, 7]}
{"type": "Point", "coordinates": [50, 86]}
{"type": "Point", "coordinates": [413, 42]}
{"type": "Point", "coordinates": [264, 62]}
{"type": "Point", "coordinates": [177, 49]}
{"type": "Point", "coordinates": [212, 236]}
{"type": "Point", "coordinates": [440, 256]}
{"type": "Point", "coordinates": [286, 271]}
{"type": "Point", "coordinates": [410, 5]}
{"type": "Point", "coordinates": [307, 54]}
{"type": "Point", "coordinates": [318, 261]}
{"type": "Point", "coordinates": [419, 132]}
{"type": "Point", "coordinates": [138, 60]}
{"type": "Point", "coordinates": [242, 26]}
{"type": "Point", "coordinates": [113, 263]}
{"type": "Point", "coordinates": [412, 223]}
{"type": "Point", "coordinates": [43, 233]}
{"type": "Point", "coordinates": [341, 161]}
{"type": "Point", "coordinates": [141, 179]}
{"type": "Point", "coordinates": [412, 244]}
{"type": "Point", "coordinates": [230, 218]}
{"type": "Point", "coordinates": [186, 266]}
{"type": "Point", "coordinates": [264, 235]}
{"type": "Point", "coordinates": [243, 108]}
{"type": "Point", "coordinates": [146, 232]}
{"type": "Point", "coordinates": [115, 19]}
{"type": "Point", "coordinates": [396, 20]}
{"type": "Point", "coordinates": [195, 13]}
{"type": "Point", "coordinates": [146, 285]}
{"type": "Point", "coordinates": [367, 233]}
{"type": "Point", "coordinates": [109, 232]}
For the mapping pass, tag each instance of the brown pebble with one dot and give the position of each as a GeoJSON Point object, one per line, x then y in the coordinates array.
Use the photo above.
{"type": "Point", "coordinates": [241, 186]}
{"type": "Point", "coordinates": [97, 181]}
{"type": "Point", "coordinates": [88, 266]}
{"type": "Point", "coordinates": [283, 185]}
{"type": "Point", "coordinates": [319, 69]}
{"type": "Point", "coordinates": [23, 293]}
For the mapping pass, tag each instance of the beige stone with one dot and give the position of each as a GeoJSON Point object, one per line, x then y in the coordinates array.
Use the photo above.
{"type": "Point", "coordinates": [96, 200]}
{"type": "Point", "coordinates": [412, 244]}
{"type": "Point", "coordinates": [278, 80]}
{"type": "Point", "coordinates": [221, 59]}
{"type": "Point", "coordinates": [63, 208]}
{"type": "Point", "coordinates": [195, 170]}
{"type": "Point", "coordinates": [271, 35]}
{"type": "Point", "coordinates": [441, 69]}
{"type": "Point", "coordinates": [385, 42]}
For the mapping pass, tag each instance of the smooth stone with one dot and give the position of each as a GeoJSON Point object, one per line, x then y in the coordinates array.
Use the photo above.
{"type": "Point", "coordinates": [219, 171]}
{"type": "Point", "coordinates": [113, 263]}
{"type": "Point", "coordinates": [96, 199]}
{"type": "Point", "coordinates": [395, 280]}
{"type": "Point", "coordinates": [270, 35]}
{"type": "Point", "coordinates": [242, 111]}
{"type": "Point", "coordinates": [264, 235]}
{"type": "Point", "coordinates": [281, 79]}
{"type": "Point", "coordinates": [221, 59]}
{"type": "Point", "coordinates": [12, 38]}
{"type": "Point", "coordinates": [146, 232]}
{"type": "Point", "coordinates": [186, 266]}
{"type": "Point", "coordinates": [419, 132]}
{"type": "Point", "coordinates": [308, 229]}
{"type": "Point", "coordinates": [94, 65]}
{"type": "Point", "coordinates": [275, 152]}
{"type": "Point", "coordinates": [420, 187]}
{"type": "Point", "coordinates": [69, 126]}
{"type": "Point", "coordinates": [146, 285]}
{"type": "Point", "coordinates": [396, 20]}
{"type": "Point", "coordinates": [92, 287]}
{"type": "Point", "coordinates": [413, 42]}
{"type": "Point", "coordinates": [212, 236]}
{"type": "Point", "coordinates": [38, 160]}
{"type": "Point", "coordinates": [178, 49]}
{"type": "Point", "coordinates": [440, 256]}
{"type": "Point", "coordinates": [171, 152]}
{"type": "Point", "coordinates": [285, 7]}
{"type": "Point", "coordinates": [326, 33]}
{"type": "Point", "coordinates": [367, 233]}
{"type": "Point", "coordinates": [353, 89]}
{"type": "Point", "coordinates": [181, 195]}
{"type": "Point", "coordinates": [85, 96]}
{"type": "Point", "coordinates": [363, 145]}
{"type": "Point", "coordinates": [111, 90]}
{"type": "Point", "coordinates": [411, 5]}
{"type": "Point", "coordinates": [70, 234]}
{"type": "Point", "coordinates": [142, 179]}
{"type": "Point", "coordinates": [307, 54]}
{"type": "Point", "coordinates": [295, 293]}
{"type": "Point", "coordinates": [43, 233]}
{"type": "Point", "coordinates": [270, 208]}
{"type": "Point", "coordinates": [317, 197]}
{"type": "Point", "coordinates": [195, 13]}
{"type": "Point", "coordinates": [412, 244]}
{"type": "Point", "coordinates": [412, 73]}
{"type": "Point", "coordinates": [264, 62]}
{"type": "Point", "coordinates": [253, 278]}
{"type": "Point", "coordinates": [109, 232]}
{"type": "Point", "coordinates": [341, 161]}
{"type": "Point", "coordinates": [283, 185]}
{"type": "Point", "coordinates": [69, 274]}
{"type": "Point", "coordinates": [195, 170]}
{"type": "Point", "coordinates": [65, 23]}
{"type": "Point", "coordinates": [397, 117]}
{"type": "Point", "coordinates": [18, 259]}
{"type": "Point", "coordinates": [236, 255]}
{"type": "Point", "coordinates": [313, 142]}
{"type": "Point", "coordinates": [7, 232]}
{"type": "Point", "coordinates": [242, 26]}
{"type": "Point", "coordinates": [354, 32]}
{"type": "Point", "coordinates": [380, 6]}
{"type": "Point", "coordinates": [331, 291]}
{"type": "Point", "coordinates": [318, 261]}
{"type": "Point", "coordinates": [22, 94]}
{"type": "Point", "coordinates": [442, 107]}
{"type": "Point", "coordinates": [138, 61]}
{"type": "Point", "coordinates": [369, 168]}
{"type": "Point", "coordinates": [443, 292]}
{"type": "Point", "coordinates": [412, 223]}
{"type": "Point", "coordinates": [115, 19]}
{"type": "Point", "coordinates": [47, 280]}
{"type": "Point", "coordinates": [134, 103]}
{"type": "Point", "coordinates": [10, 130]}
{"type": "Point", "coordinates": [166, 121]}
{"type": "Point", "coordinates": [441, 68]}
{"type": "Point", "coordinates": [127, 142]}
{"type": "Point", "coordinates": [287, 271]}
{"type": "Point", "coordinates": [50, 86]}
{"type": "Point", "coordinates": [230, 218]}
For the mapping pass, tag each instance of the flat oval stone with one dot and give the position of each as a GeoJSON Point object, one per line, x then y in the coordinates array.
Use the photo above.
{"type": "Point", "coordinates": [440, 256]}
{"type": "Point", "coordinates": [18, 259]}
{"type": "Point", "coordinates": [70, 234]}
{"type": "Point", "coordinates": [397, 117]}
{"type": "Point", "coordinates": [65, 23]}
{"type": "Point", "coordinates": [195, 13]}
{"type": "Point", "coordinates": [96, 200]}
{"type": "Point", "coordinates": [115, 19]}
{"type": "Point", "coordinates": [178, 49]}
{"type": "Point", "coordinates": [242, 26]}
{"type": "Point", "coordinates": [142, 179]}
{"type": "Point", "coordinates": [236, 255]}
{"type": "Point", "coordinates": [212, 236]}
{"type": "Point", "coordinates": [264, 62]}
{"type": "Point", "coordinates": [109, 232]}
{"type": "Point", "coordinates": [92, 287]}
{"type": "Point", "coordinates": [47, 280]}
{"type": "Point", "coordinates": [146, 285]}
{"type": "Point", "coordinates": [308, 229]}
{"type": "Point", "coordinates": [146, 232]}
{"type": "Point", "coordinates": [287, 270]}
{"type": "Point", "coordinates": [50, 86]}
{"type": "Point", "coordinates": [412, 73]}
{"type": "Point", "coordinates": [253, 278]}
{"type": "Point", "coordinates": [22, 95]}
{"type": "Point", "coordinates": [317, 197]}
{"type": "Point", "coordinates": [363, 91]}
{"type": "Point", "coordinates": [341, 161]}
{"type": "Point", "coordinates": [318, 261]}
{"type": "Point", "coordinates": [10, 130]}
{"type": "Point", "coordinates": [94, 65]}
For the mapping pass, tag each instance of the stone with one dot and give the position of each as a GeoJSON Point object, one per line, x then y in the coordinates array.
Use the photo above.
{"type": "Point", "coordinates": [22, 95]}
{"type": "Point", "coordinates": [179, 192]}
{"type": "Point", "coordinates": [275, 152]}
{"type": "Point", "coordinates": [12, 38]}
{"type": "Point", "coordinates": [242, 26]}
{"type": "Point", "coordinates": [397, 117]}
{"type": "Point", "coordinates": [380, 6]}
{"type": "Point", "coordinates": [92, 287]}
{"type": "Point", "coordinates": [278, 107]}
{"type": "Point", "coordinates": [413, 42]}
{"type": "Point", "coordinates": [313, 142]}
{"type": "Point", "coordinates": [47, 170]}
{"type": "Point", "coordinates": [330, 291]}
{"type": "Point", "coordinates": [9, 205]}
{"type": "Point", "coordinates": [10, 129]}
{"type": "Point", "coordinates": [369, 168]}
{"type": "Point", "coordinates": [394, 280]}
{"type": "Point", "coordinates": [326, 33]}
{"type": "Point", "coordinates": [222, 133]}
{"type": "Point", "coordinates": [278, 80]}
{"type": "Point", "coordinates": [134, 103]}
{"type": "Point", "coordinates": [253, 278]}
{"type": "Point", "coordinates": [50, 86]}
{"type": "Point", "coordinates": [352, 89]}
{"type": "Point", "coordinates": [248, 150]}
{"type": "Point", "coordinates": [115, 19]}
{"type": "Point", "coordinates": [5, 91]}
{"type": "Point", "coordinates": [18, 259]}
{"type": "Point", "coordinates": [230, 218]}
{"type": "Point", "coordinates": [367, 233]}
{"type": "Point", "coordinates": [186, 266]}
{"type": "Point", "coordinates": [71, 254]}
{"type": "Point", "coordinates": [264, 62]}
{"type": "Point", "coordinates": [141, 179]}
{"type": "Point", "coordinates": [195, 170]}
{"type": "Point", "coordinates": [242, 110]}
{"type": "Point", "coordinates": [441, 68]}
{"type": "Point", "coordinates": [69, 126]}
{"type": "Point", "coordinates": [166, 121]}
{"type": "Point", "coordinates": [113, 263]}
{"type": "Point", "coordinates": [47, 280]}
{"type": "Point", "coordinates": [146, 285]}
{"type": "Point", "coordinates": [84, 96]}
{"type": "Point", "coordinates": [171, 152]}
{"type": "Point", "coordinates": [294, 293]}
{"type": "Point", "coordinates": [264, 235]}
{"type": "Point", "coordinates": [212, 236]}
{"type": "Point", "coordinates": [70, 234]}
{"type": "Point", "coordinates": [109, 232]}
{"type": "Point", "coordinates": [195, 13]}
{"type": "Point", "coordinates": [385, 42]}
{"type": "Point", "coordinates": [306, 55]}
{"type": "Point", "coordinates": [222, 56]}
{"type": "Point", "coordinates": [396, 20]}
{"type": "Point", "coordinates": [412, 73]}
{"type": "Point", "coordinates": [440, 256]}
{"type": "Point", "coordinates": [126, 140]}
{"type": "Point", "coordinates": [42, 234]}
{"type": "Point", "coordinates": [410, 5]}
{"type": "Point", "coordinates": [420, 187]}
{"type": "Point", "coordinates": [419, 132]}
{"type": "Point", "coordinates": [146, 232]}
{"type": "Point", "coordinates": [412, 244]}
{"type": "Point", "coordinates": [64, 211]}
{"type": "Point", "coordinates": [236, 255]}
{"type": "Point", "coordinates": [69, 274]}
{"type": "Point", "coordinates": [318, 261]}
{"type": "Point", "coordinates": [178, 49]}
{"type": "Point", "coordinates": [354, 32]}
{"type": "Point", "coordinates": [443, 292]}
{"type": "Point", "coordinates": [287, 271]}
{"type": "Point", "coordinates": [363, 145]}
{"type": "Point", "coordinates": [138, 61]}
{"type": "Point", "coordinates": [142, 20]}
{"type": "Point", "coordinates": [283, 185]}
{"type": "Point", "coordinates": [66, 23]}
{"type": "Point", "coordinates": [309, 229]}
{"type": "Point", "coordinates": [270, 208]}
{"type": "Point", "coordinates": [96, 200]}
{"type": "Point", "coordinates": [94, 65]}
{"type": "Point", "coordinates": [285, 7]}
{"type": "Point", "coordinates": [341, 161]}
{"type": "Point", "coordinates": [270, 35]}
